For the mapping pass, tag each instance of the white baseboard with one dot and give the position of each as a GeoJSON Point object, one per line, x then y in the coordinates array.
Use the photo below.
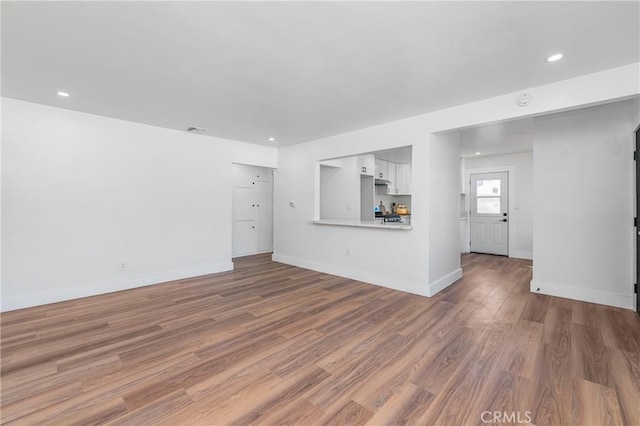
{"type": "Point", "coordinates": [583, 294]}
{"type": "Point", "coordinates": [444, 282]}
{"type": "Point", "coordinates": [68, 293]}
{"type": "Point", "coordinates": [354, 274]}
{"type": "Point", "coordinates": [520, 254]}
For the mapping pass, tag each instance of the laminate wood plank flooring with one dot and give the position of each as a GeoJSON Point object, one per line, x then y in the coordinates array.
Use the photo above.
{"type": "Point", "coordinates": [271, 344]}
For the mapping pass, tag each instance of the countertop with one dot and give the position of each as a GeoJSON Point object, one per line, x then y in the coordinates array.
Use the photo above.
{"type": "Point", "coordinates": [360, 224]}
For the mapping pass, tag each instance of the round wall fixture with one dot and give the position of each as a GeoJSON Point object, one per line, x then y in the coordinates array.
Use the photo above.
{"type": "Point", "coordinates": [524, 100]}
{"type": "Point", "coordinates": [193, 129]}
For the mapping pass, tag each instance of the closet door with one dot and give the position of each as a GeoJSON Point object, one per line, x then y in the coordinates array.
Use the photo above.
{"type": "Point", "coordinates": [244, 238]}
{"type": "Point", "coordinates": [263, 196]}
{"type": "Point", "coordinates": [243, 211]}
{"type": "Point", "coordinates": [243, 204]}
{"type": "Point", "coordinates": [243, 176]}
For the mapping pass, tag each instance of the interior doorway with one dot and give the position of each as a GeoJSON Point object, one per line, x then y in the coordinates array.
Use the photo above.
{"type": "Point", "coordinates": [489, 213]}
{"type": "Point", "coordinates": [252, 210]}
{"type": "Point", "coordinates": [500, 147]}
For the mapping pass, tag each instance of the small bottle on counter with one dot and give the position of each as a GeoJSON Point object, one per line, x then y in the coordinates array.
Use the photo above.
{"type": "Point", "coordinates": [382, 208]}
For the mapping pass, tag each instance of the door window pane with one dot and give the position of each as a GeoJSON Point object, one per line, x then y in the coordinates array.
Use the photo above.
{"type": "Point", "coordinates": [488, 188]}
{"type": "Point", "coordinates": [488, 205]}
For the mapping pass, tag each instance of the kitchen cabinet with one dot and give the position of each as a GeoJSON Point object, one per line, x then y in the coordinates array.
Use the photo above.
{"type": "Point", "coordinates": [349, 188]}
{"type": "Point", "coordinates": [252, 210]}
{"type": "Point", "coordinates": [367, 164]}
{"type": "Point", "coordinates": [382, 169]}
{"type": "Point", "coordinates": [391, 171]}
{"type": "Point", "coordinates": [403, 179]}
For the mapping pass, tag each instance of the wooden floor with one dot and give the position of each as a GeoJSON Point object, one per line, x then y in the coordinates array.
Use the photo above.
{"type": "Point", "coordinates": [274, 344]}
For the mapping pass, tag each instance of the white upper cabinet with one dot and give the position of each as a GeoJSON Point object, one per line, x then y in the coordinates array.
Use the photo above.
{"type": "Point", "coordinates": [367, 164]}
{"type": "Point", "coordinates": [391, 171]}
{"type": "Point", "coordinates": [403, 179]}
{"type": "Point", "coordinates": [382, 171]}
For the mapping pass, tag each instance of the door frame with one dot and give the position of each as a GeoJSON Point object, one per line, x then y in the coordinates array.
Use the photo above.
{"type": "Point", "coordinates": [511, 170]}
{"type": "Point", "coordinates": [636, 146]}
{"type": "Point", "coordinates": [232, 207]}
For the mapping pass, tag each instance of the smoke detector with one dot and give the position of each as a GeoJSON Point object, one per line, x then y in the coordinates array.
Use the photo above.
{"type": "Point", "coordinates": [524, 100]}
{"type": "Point", "coordinates": [196, 129]}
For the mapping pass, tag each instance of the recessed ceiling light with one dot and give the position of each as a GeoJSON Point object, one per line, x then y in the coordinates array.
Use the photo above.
{"type": "Point", "coordinates": [555, 57]}
{"type": "Point", "coordinates": [477, 153]}
{"type": "Point", "coordinates": [272, 139]}
{"type": "Point", "coordinates": [63, 94]}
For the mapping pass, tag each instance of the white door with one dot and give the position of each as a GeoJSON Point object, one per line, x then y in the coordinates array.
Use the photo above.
{"type": "Point", "coordinates": [490, 213]}
{"type": "Point", "coordinates": [264, 211]}
{"type": "Point", "coordinates": [244, 241]}
{"type": "Point", "coordinates": [243, 204]}
{"type": "Point", "coordinates": [262, 174]}
{"type": "Point", "coordinates": [243, 176]}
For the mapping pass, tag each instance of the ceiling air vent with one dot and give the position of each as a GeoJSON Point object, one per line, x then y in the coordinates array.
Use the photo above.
{"type": "Point", "coordinates": [196, 129]}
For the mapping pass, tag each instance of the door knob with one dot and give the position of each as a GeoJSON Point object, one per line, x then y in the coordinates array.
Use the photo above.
{"type": "Point", "coordinates": [503, 220]}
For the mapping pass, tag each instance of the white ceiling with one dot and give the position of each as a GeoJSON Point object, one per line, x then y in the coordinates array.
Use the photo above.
{"type": "Point", "coordinates": [298, 71]}
{"type": "Point", "coordinates": [395, 155]}
{"type": "Point", "coordinates": [500, 138]}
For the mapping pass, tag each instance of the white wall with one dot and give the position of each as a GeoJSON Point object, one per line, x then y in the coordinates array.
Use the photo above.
{"type": "Point", "coordinates": [583, 218]}
{"type": "Point", "coordinates": [84, 193]}
{"type": "Point", "coordinates": [444, 222]}
{"type": "Point", "coordinates": [340, 190]}
{"type": "Point", "coordinates": [520, 201]}
{"type": "Point", "coordinates": [400, 259]}
{"type": "Point", "coordinates": [376, 256]}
